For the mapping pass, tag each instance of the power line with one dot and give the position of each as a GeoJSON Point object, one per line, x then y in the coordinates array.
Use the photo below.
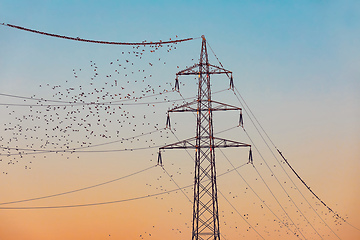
{"type": "Point", "coordinates": [38, 151]}
{"type": "Point", "coordinates": [281, 164]}
{"type": "Point", "coordinates": [293, 170]}
{"type": "Point", "coordinates": [80, 189]}
{"type": "Point", "coordinates": [75, 150]}
{"type": "Point", "coordinates": [111, 202]}
{"type": "Point", "coordinates": [71, 104]}
{"type": "Point", "coordinates": [96, 41]}
{"type": "Point", "coordinates": [94, 204]}
{"type": "Point", "coordinates": [89, 146]}
{"type": "Point", "coordinates": [267, 166]}
{"type": "Point", "coordinates": [86, 104]}
{"type": "Point", "coordinates": [252, 114]}
{"type": "Point", "coordinates": [67, 103]}
{"type": "Point", "coordinates": [31, 98]}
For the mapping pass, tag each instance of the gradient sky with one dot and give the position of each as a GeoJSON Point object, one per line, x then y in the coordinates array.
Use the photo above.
{"type": "Point", "coordinates": [295, 63]}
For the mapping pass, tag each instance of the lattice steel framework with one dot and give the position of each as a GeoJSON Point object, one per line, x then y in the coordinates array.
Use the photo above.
{"type": "Point", "coordinates": [205, 222]}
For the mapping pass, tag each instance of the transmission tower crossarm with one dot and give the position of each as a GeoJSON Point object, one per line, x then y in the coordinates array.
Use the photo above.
{"type": "Point", "coordinates": [225, 143]}
{"type": "Point", "coordinates": [187, 107]}
{"type": "Point", "coordinates": [216, 106]}
{"type": "Point", "coordinates": [194, 70]}
{"type": "Point", "coordinates": [187, 143]}
{"type": "Point", "coordinates": [191, 143]}
{"type": "Point", "coordinates": [223, 106]}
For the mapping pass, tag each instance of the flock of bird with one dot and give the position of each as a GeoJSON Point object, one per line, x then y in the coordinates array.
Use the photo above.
{"type": "Point", "coordinates": [99, 104]}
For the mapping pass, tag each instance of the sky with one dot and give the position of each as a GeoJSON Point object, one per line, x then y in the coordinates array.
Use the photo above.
{"type": "Point", "coordinates": [295, 69]}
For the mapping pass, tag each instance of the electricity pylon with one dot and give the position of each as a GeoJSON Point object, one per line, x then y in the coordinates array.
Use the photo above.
{"type": "Point", "coordinates": [205, 222]}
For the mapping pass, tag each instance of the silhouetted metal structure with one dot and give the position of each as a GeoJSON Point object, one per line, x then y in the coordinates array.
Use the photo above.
{"type": "Point", "coordinates": [205, 224]}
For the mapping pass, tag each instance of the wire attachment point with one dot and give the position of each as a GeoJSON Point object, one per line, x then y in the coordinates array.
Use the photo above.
{"type": "Point", "coordinates": [231, 82]}
{"type": "Point", "coordinates": [241, 120]}
{"type": "Point", "coordinates": [250, 157]}
{"type": "Point", "coordinates": [159, 159]}
{"type": "Point", "coordinates": [177, 88]}
{"type": "Point", "coordinates": [168, 125]}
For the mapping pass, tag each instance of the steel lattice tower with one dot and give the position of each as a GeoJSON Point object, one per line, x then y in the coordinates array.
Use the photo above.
{"type": "Point", "coordinates": [205, 222]}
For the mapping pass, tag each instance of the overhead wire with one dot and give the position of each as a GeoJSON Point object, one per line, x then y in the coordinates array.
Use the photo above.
{"type": "Point", "coordinates": [96, 41]}
{"type": "Point", "coordinates": [87, 104]}
{"type": "Point", "coordinates": [296, 174]}
{"type": "Point", "coordinates": [110, 202]}
{"type": "Point", "coordinates": [265, 162]}
{"type": "Point", "coordinates": [71, 104]}
{"type": "Point", "coordinates": [93, 204]}
{"type": "Point", "coordinates": [80, 189]}
{"type": "Point", "coordinates": [75, 150]}
{"type": "Point", "coordinates": [32, 98]}
{"type": "Point", "coordinates": [252, 114]}
{"type": "Point", "coordinates": [74, 103]}
{"type": "Point", "coordinates": [37, 151]}
{"type": "Point", "coordinates": [283, 167]}
{"type": "Point", "coordinates": [250, 117]}
{"type": "Point", "coordinates": [287, 176]}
